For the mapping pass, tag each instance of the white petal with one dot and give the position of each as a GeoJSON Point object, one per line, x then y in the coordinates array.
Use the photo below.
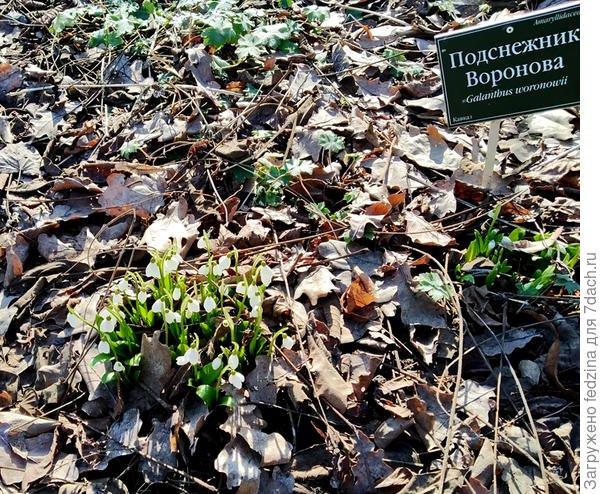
{"type": "Point", "coordinates": [233, 361]}
{"type": "Point", "coordinates": [157, 306]}
{"type": "Point", "coordinates": [105, 314]}
{"type": "Point", "coordinates": [117, 299]}
{"type": "Point", "coordinates": [176, 293]}
{"type": "Point", "coordinates": [209, 304]}
{"type": "Point", "coordinates": [236, 380]}
{"type": "Point", "coordinates": [194, 305]}
{"type": "Point", "coordinates": [123, 285]}
{"type": "Point", "coordinates": [142, 297]}
{"type": "Point", "coordinates": [192, 356]}
{"type": "Point", "coordinates": [252, 291]}
{"type": "Point", "coordinates": [254, 312]}
{"type": "Point", "coordinates": [171, 317]}
{"type": "Point", "coordinates": [108, 325]}
{"type": "Point", "coordinates": [118, 367]}
{"type": "Point", "coordinates": [182, 360]}
{"type": "Point", "coordinates": [266, 275]}
{"type": "Point", "coordinates": [73, 320]}
{"type": "Point", "coordinates": [152, 270]}
{"type": "Point", "coordinates": [103, 347]}
{"type": "Point", "coordinates": [224, 263]}
{"type": "Point", "coordinates": [288, 342]}
{"type": "Point", "coordinates": [240, 288]}
{"type": "Point", "coordinates": [170, 265]}
{"type": "Point", "coordinates": [216, 363]}
{"type": "Point", "coordinates": [203, 270]}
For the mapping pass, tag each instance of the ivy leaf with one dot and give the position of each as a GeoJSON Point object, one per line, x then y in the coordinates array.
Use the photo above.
{"type": "Point", "coordinates": [565, 281]}
{"type": "Point", "coordinates": [433, 286]}
{"type": "Point", "coordinates": [316, 14]}
{"type": "Point", "coordinates": [64, 19]}
{"type": "Point", "coordinates": [331, 142]}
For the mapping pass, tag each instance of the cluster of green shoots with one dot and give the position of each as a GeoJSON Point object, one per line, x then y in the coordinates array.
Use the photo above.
{"type": "Point", "coordinates": [212, 324]}
{"type": "Point", "coordinates": [552, 267]}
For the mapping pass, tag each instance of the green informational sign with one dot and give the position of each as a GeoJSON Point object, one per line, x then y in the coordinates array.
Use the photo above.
{"type": "Point", "coordinates": [523, 65]}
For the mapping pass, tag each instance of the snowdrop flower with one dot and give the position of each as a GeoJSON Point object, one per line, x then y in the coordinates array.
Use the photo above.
{"type": "Point", "coordinates": [193, 306]}
{"type": "Point", "coordinates": [73, 320]}
{"type": "Point", "coordinates": [288, 342]}
{"type": "Point", "coordinates": [118, 366]}
{"type": "Point", "coordinates": [223, 265]}
{"type": "Point", "coordinates": [254, 311]}
{"type": "Point", "coordinates": [157, 306]}
{"type": "Point", "coordinates": [216, 363]}
{"type": "Point", "coordinates": [236, 379]}
{"type": "Point", "coordinates": [233, 361]}
{"type": "Point", "coordinates": [203, 270]}
{"type": "Point", "coordinates": [152, 270]}
{"type": "Point", "coordinates": [171, 265]}
{"type": "Point", "coordinates": [123, 285]}
{"type": "Point", "coordinates": [240, 288]}
{"type": "Point", "coordinates": [492, 244]}
{"type": "Point", "coordinates": [142, 297]}
{"type": "Point", "coordinates": [108, 321]}
{"type": "Point", "coordinates": [266, 275]}
{"type": "Point", "coordinates": [209, 304]}
{"type": "Point", "coordinates": [191, 356]}
{"type": "Point", "coordinates": [176, 293]}
{"type": "Point", "coordinates": [252, 291]}
{"type": "Point", "coordinates": [117, 299]}
{"type": "Point", "coordinates": [171, 317]}
{"type": "Point", "coordinates": [103, 347]}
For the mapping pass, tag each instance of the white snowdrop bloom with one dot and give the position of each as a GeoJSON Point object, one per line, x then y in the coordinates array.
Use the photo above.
{"type": "Point", "coordinates": [123, 285]}
{"type": "Point", "coordinates": [252, 291]}
{"type": "Point", "coordinates": [236, 379]}
{"type": "Point", "coordinates": [118, 366]}
{"type": "Point", "coordinates": [142, 297]}
{"type": "Point", "coordinates": [203, 270]}
{"type": "Point", "coordinates": [492, 244]}
{"type": "Point", "coordinates": [240, 288]}
{"type": "Point", "coordinates": [157, 306]}
{"type": "Point", "coordinates": [193, 306]}
{"type": "Point", "coordinates": [216, 363]}
{"type": "Point", "coordinates": [152, 270]}
{"type": "Point", "coordinates": [104, 313]}
{"type": "Point", "coordinates": [288, 342]}
{"type": "Point", "coordinates": [171, 265]}
{"type": "Point", "coordinates": [209, 304]}
{"type": "Point", "coordinates": [73, 320]}
{"type": "Point", "coordinates": [191, 356]}
{"type": "Point", "coordinates": [108, 324]}
{"type": "Point", "coordinates": [176, 293]}
{"type": "Point", "coordinates": [171, 317]}
{"type": "Point", "coordinates": [254, 312]}
{"type": "Point", "coordinates": [117, 299]}
{"type": "Point", "coordinates": [103, 347]}
{"type": "Point", "coordinates": [266, 275]}
{"type": "Point", "coordinates": [233, 361]}
{"type": "Point", "coordinates": [222, 266]}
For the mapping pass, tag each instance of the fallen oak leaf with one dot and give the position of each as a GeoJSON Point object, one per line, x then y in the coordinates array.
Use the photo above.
{"type": "Point", "coordinates": [422, 232]}
{"type": "Point", "coordinates": [315, 285]}
{"type": "Point", "coordinates": [360, 294]}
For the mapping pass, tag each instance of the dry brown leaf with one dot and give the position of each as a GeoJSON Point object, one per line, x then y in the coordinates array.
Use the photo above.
{"type": "Point", "coordinates": [140, 194]}
{"type": "Point", "coordinates": [316, 284]}
{"type": "Point", "coordinates": [328, 382]}
{"type": "Point", "coordinates": [155, 363]}
{"type": "Point", "coordinates": [422, 232]}
{"type": "Point", "coordinates": [360, 294]}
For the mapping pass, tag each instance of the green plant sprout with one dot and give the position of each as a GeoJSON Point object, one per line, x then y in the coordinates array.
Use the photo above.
{"type": "Point", "coordinates": [554, 266]}
{"type": "Point", "coordinates": [212, 325]}
{"type": "Point", "coordinates": [272, 178]}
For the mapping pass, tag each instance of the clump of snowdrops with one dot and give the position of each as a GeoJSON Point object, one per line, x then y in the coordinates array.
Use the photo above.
{"type": "Point", "coordinates": [211, 324]}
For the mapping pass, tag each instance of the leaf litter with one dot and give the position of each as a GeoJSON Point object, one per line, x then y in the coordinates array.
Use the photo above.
{"type": "Point", "coordinates": [314, 137]}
